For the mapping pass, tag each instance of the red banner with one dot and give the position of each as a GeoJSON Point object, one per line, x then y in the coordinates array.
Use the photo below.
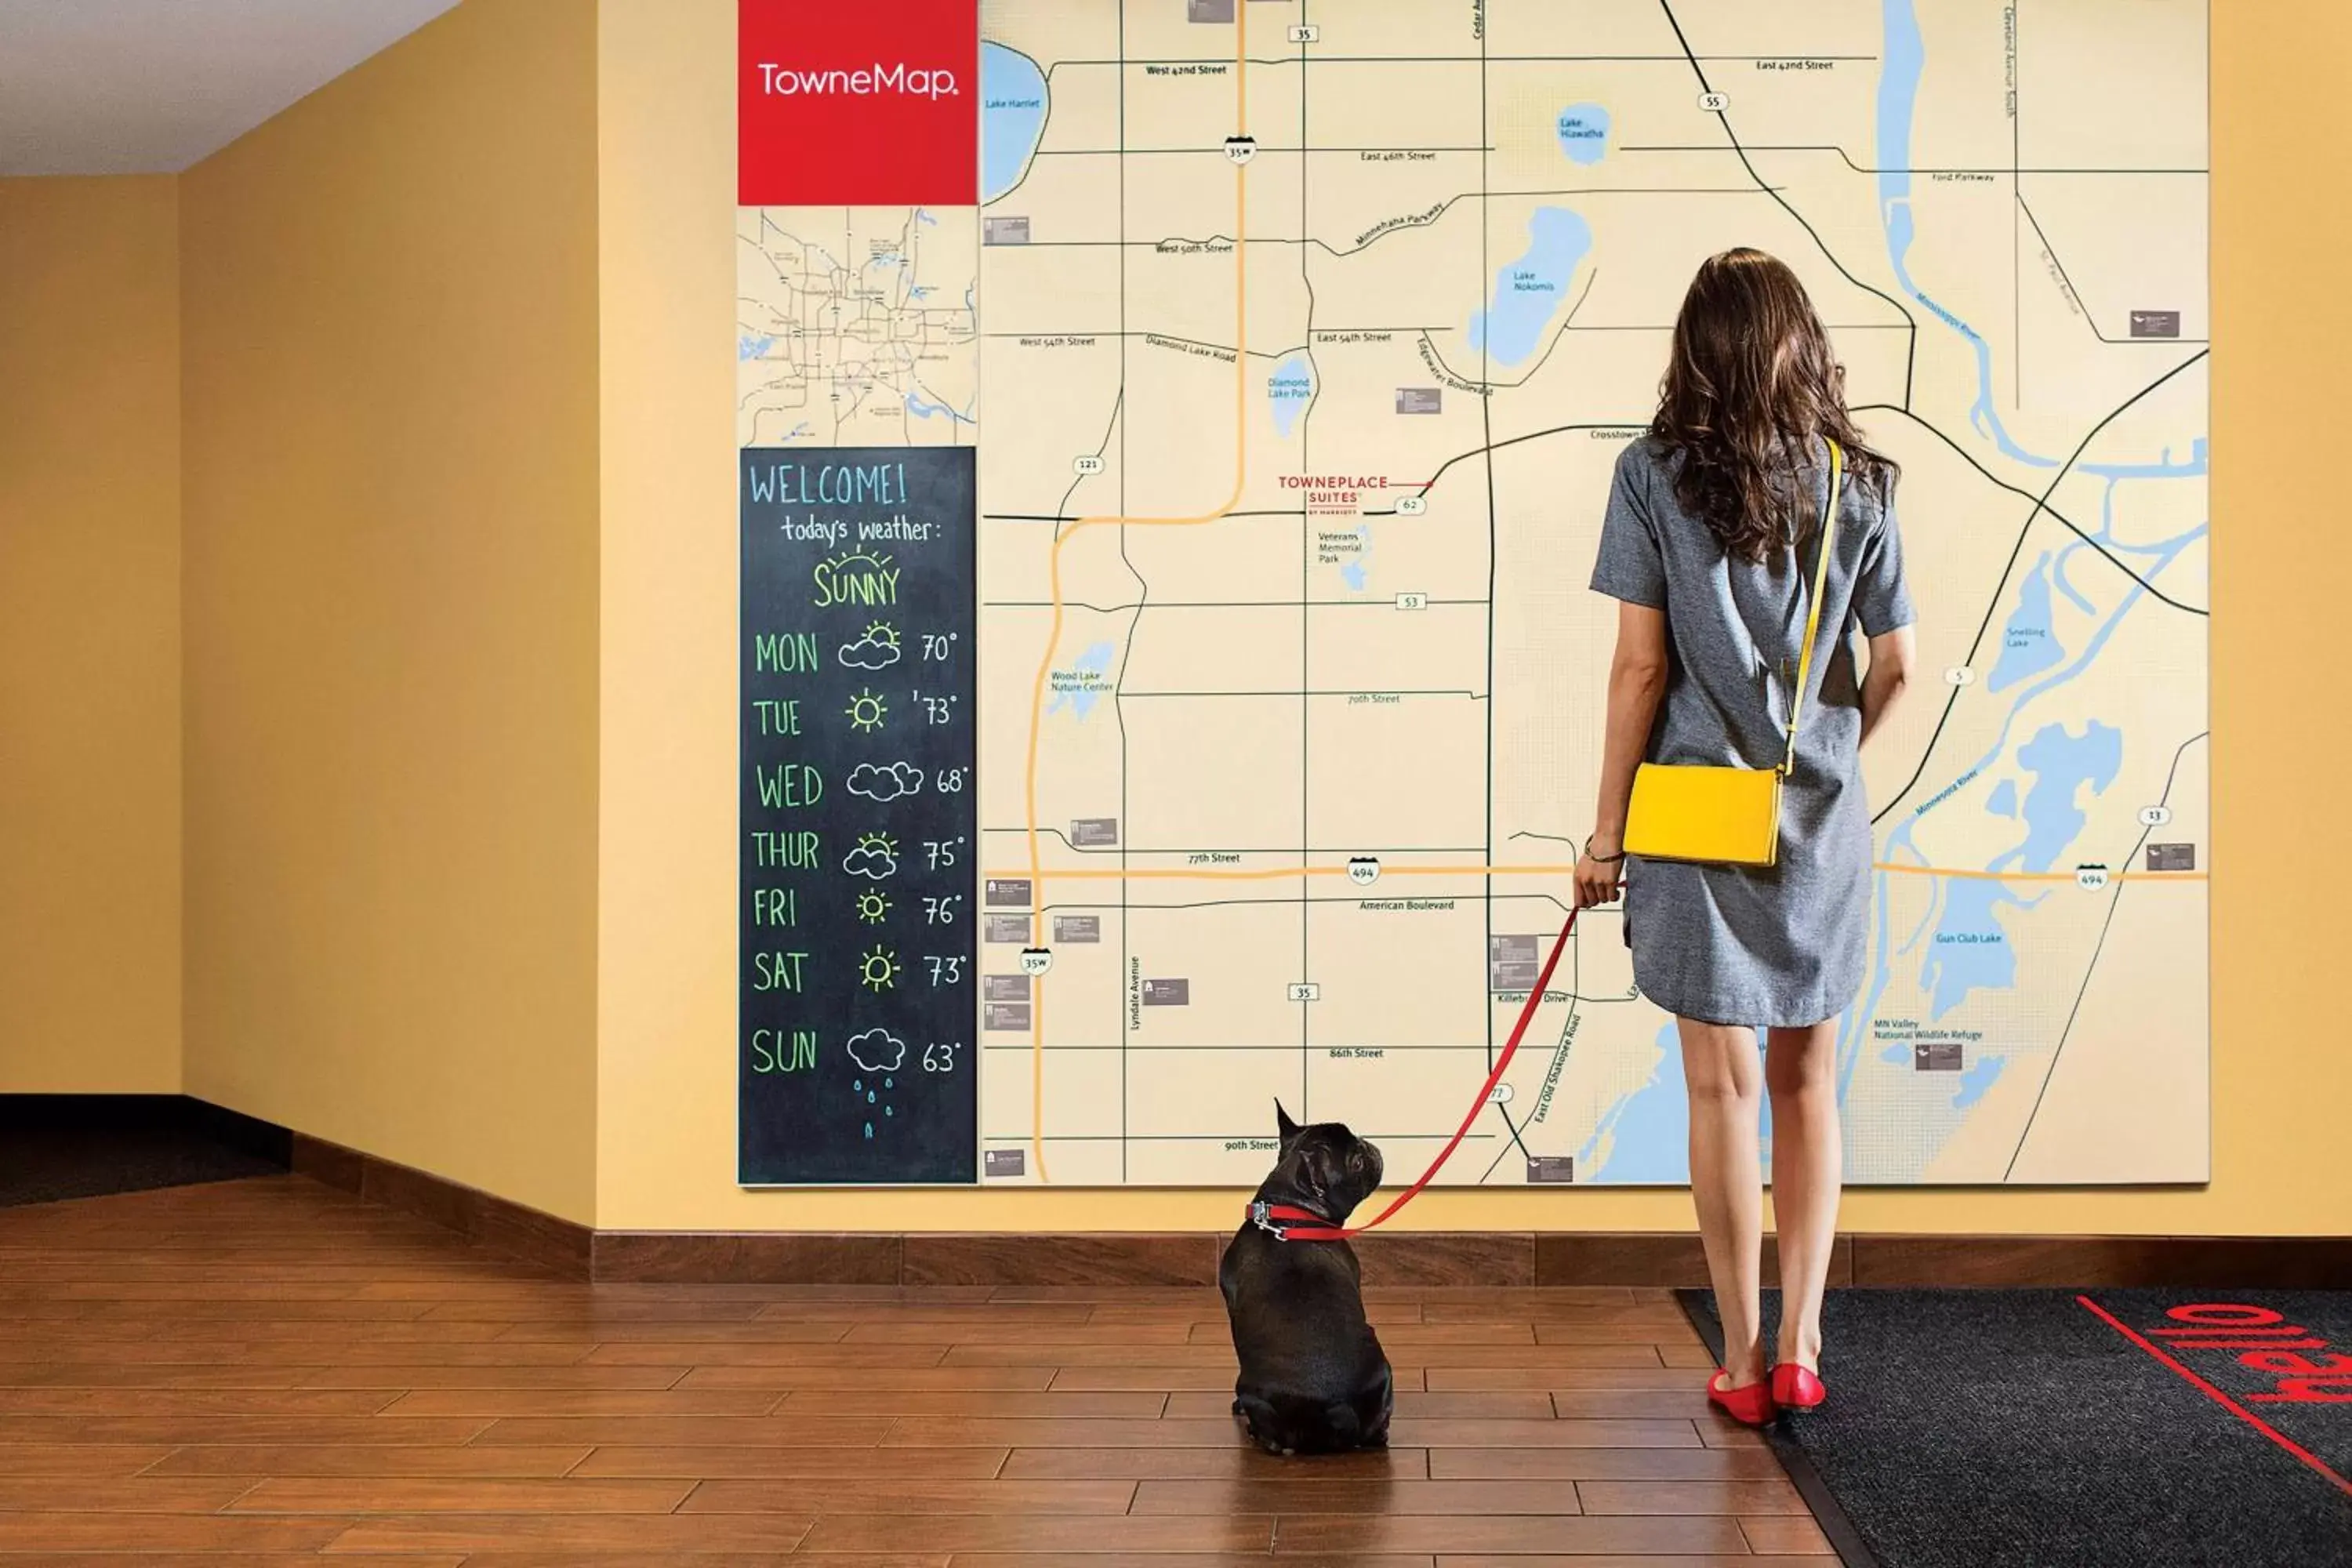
{"type": "Point", "coordinates": [858, 102]}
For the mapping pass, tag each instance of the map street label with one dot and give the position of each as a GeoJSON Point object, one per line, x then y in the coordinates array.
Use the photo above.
{"type": "Point", "coordinates": [2155, 816]}
{"type": "Point", "coordinates": [1089, 463]}
{"type": "Point", "coordinates": [1412, 601]}
{"type": "Point", "coordinates": [2091, 879]}
{"type": "Point", "coordinates": [1305, 33]}
{"type": "Point", "coordinates": [1412, 506]}
{"type": "Point", "coordinates": [1033, 961]}
{"type": "Point", "coordinates": [1960, 675]}
{"type": "Point", "coordinates": [1714, 103]}
{"type": "Point", "coordinates": [1240, 149]}
{"type": "Point", "coordinates": [1306, 991]}
{"type": "Point", "coordinates": [1364, 870]}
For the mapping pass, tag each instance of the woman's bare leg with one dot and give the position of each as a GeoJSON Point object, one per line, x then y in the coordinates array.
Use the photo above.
{"type": "Point", "coordinates": [1726, 1182]}
{"type": "Point", "coordinates": [1800, 1070]}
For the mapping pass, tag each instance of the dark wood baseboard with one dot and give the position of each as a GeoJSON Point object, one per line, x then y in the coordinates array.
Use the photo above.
{"type": "Point", "coordinates": [1451, 1259]}
{"type": "Point", "coordinates": [514, 1230]}
{"type": "Point", "coordinates": [1407, 1259]}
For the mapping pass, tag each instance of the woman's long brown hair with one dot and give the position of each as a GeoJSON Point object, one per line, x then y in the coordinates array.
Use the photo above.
{"type": "Point", "coordinates": [1753, 383]}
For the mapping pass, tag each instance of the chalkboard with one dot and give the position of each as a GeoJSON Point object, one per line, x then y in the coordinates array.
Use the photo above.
{"type": "Point", "coordinates": [854, 1000]}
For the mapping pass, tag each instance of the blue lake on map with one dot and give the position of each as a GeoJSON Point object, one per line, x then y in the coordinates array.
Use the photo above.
{"type": "Point", "coordinates": [2003, 802]}
{"type": "Point", "coordinates": [2164, 468]}
{"type": "Point", "coordinates": [922, 408]}
{"type": "Point", "coordinates": [1012, 116]}
{"type": "Point", "coordinates": [1977, 1078]}
{"type": "Point", "coordinates": [1971, 949]}
{"type": "Point", "coordinates": [2028, 644]}
{"type": "Point", "coordinates": [1584, 132]}
{"type": "Point", "coordinates": [1530, 290]}
{"type": "Point", "coordinates": [1649, 1130]}
{"type": "Point", "coordinates": [1074, 687]}
{"type": "Point", "coordinates": [1356, 574]}
{"type": "Point", "coordinates": [1902, 61]}
{"type": "Point", "coordinates": [1288, 391]}
{"type": "Point", "coordinates": [748, 347]}
{"type": "Point", "coordinates": [2061, 765]}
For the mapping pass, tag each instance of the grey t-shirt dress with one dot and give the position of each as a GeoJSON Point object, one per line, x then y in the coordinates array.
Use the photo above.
{"type": "Point", "coordinates": [1780, 946]}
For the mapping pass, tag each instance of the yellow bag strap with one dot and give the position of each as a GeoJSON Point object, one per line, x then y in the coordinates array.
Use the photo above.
{"type": "Point", "coordinates": [1813, 615]}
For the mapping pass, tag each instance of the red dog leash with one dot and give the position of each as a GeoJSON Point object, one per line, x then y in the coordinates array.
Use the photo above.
{"type": "Point", "coordinates": [1287, 1222]}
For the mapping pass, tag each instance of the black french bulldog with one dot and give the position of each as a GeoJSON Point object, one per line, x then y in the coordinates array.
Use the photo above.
{"type": "Point", "coordinates": [1313, 1378]}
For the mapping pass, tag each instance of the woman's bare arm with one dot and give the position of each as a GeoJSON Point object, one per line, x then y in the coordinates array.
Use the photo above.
{"type": "Point", "coordinates": [1637, 680]}
{"type": "Point", "coordinates": [1892, 655]}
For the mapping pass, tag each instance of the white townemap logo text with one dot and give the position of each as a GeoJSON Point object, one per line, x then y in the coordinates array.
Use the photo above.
{"type": "Point", "coordinates": [785, 82]}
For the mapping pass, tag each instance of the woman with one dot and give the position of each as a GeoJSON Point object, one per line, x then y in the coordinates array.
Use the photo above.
{"type": "Point", "coordinates": [1711, 535]}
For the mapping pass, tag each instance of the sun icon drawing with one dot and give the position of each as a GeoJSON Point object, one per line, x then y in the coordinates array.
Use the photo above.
{"type": "Point", "coordinates": [872, 906]}
{"type": "Point", "coordinates": [866, 711]}
{"type": "Point", "coordinates": [878, 970]}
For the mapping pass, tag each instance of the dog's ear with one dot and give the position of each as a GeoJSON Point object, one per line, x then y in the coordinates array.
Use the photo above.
{"type": "Point", "coordinates": [1283, 1125]}
{"type": "Point", "coordinates": [1317, 1172]}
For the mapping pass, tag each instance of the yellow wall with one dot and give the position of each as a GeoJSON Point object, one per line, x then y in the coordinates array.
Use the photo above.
{"type": "Point", "coordinates": [2282, 1074]}
{"type": "Point", "coordinates": [460, 578]}
{"type": "Point", "coordinates": [389, 504]}
{"type": "Point", "coordinates": [89, 637]}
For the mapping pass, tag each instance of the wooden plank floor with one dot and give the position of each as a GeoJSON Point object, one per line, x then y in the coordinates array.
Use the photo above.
{"type": "Point", "coordinates": [263, 1372]}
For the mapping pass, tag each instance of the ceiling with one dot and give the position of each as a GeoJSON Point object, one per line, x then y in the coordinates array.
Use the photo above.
{"type": "Point", "coordinates": [129, 87]}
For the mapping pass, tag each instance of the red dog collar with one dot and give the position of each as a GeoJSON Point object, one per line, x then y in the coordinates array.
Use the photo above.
{"type": "Point", "coordinates": [1286, 1223]}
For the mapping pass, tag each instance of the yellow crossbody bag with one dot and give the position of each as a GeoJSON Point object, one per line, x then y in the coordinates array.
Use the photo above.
{"type": "Point", "coordinates": [1730, 815]}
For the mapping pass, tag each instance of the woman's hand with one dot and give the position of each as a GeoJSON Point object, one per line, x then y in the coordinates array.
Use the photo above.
{"type": "Point", "coordinates": [1597, 870]}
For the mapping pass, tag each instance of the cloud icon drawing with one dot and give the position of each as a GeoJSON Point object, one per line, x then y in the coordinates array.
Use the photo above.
{"type": "Point", "coordinates": [870, 651]}
{"type": "Point", "coordinates": [885, 783]}
{"type": "Point", "coordinates": [876, 1051]}
{"type": "Point", "coordinates": [869, 861]}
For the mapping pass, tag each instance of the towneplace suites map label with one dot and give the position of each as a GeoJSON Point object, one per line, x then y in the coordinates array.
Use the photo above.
{"type": "Point", "coordinates": [856, 993]}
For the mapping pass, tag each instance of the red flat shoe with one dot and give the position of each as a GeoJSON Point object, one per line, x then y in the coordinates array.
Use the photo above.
{"type": "Point", "coordinates": [1796, 1386]}
{"type": "Point", "coordinates": [1750, 1406]}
